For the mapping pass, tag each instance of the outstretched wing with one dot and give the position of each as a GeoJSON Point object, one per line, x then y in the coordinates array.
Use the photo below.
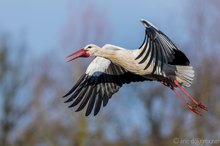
{"type": "Point", "coordinates": [101, 80]}
{"type": "Point", "coordinates": [158, 49]}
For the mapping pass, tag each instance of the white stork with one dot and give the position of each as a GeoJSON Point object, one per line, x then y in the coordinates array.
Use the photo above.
{"type": "Point", "coordinates": [157, 59]}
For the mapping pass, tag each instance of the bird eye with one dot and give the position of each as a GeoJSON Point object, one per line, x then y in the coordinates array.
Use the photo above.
{"type": "Point", "coordinates": [89, 47]}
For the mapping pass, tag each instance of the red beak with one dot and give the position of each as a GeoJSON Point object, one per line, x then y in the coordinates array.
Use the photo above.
{"type": "Point", "coordinates": [77, 54]}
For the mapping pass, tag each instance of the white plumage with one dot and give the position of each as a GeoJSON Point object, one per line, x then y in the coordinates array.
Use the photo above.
{"type": "Point", "coordinates": [157, 59]}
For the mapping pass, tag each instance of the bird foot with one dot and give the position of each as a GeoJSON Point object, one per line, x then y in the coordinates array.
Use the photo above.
{"type": "Point", "coordinates": [194, 109]}
{"type": "Point", "coordinates": [202, 106]}
{"type": "Point", "coordinates": [198, 104]}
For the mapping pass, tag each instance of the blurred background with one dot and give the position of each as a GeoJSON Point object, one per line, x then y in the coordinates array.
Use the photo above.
{"type": "Point", "coordinates": [35, 37]}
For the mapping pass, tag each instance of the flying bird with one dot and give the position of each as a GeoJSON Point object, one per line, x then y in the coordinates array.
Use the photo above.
{"type": "Point", "coordinates": [157, 59]}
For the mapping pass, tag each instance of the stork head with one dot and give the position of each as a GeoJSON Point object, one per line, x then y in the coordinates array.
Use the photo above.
{"type": "Point", "coordinates": [87, 51]}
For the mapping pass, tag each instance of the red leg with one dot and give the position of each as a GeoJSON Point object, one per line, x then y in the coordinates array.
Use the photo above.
{"type": "Point", "coordinates": [192, 108]}
{"type": "Point", "coordinates": [190, 97]}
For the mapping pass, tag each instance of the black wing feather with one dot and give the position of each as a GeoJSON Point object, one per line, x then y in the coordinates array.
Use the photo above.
{"type": "Point", "coordinates": [91, 101]}
{"type": "Point", "coordinates": [145, 47]}
{"type": "Point", "coordinates": [160, 49]}
{"type": "Point", "coordinates": [98, 101]}
{"type": "Point", "coordinates": [76, 85]}
{"type": "Point", "coordinates": [151, 57]}
{"type": "Point", "coordinates": [85, 99]}
{"type": "Point", "coordinates": [79, 97]}
{"type": "Point", "coordinates": [156, 58]}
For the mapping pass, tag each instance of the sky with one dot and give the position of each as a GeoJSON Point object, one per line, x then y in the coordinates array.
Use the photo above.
{"type": "Point", "coordinates": [42, 22]}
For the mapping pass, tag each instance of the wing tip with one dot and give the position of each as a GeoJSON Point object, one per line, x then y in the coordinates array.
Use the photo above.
{"type": "Point", "coordinates": [144, 22]}
{"type": "Point", "coordinates": [64, 95]}
{"type": "Point", "coordinates": [87, 114]}
{"type": "Point", "coordinates": [68, 100]}
{"type": "Point", "coordinates": [148, 24]}
{"type": "Point", "coordinates": [70, 92]}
